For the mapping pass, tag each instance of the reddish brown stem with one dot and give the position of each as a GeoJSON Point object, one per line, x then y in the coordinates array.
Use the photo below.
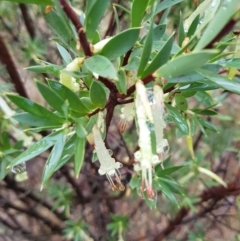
{"type": "Point", "coordinates": [7, 60]}
{"type": "Point", "coordinates": [80, 30]}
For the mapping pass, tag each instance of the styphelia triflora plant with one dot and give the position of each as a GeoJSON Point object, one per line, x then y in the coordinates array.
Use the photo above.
{"type": "Point", "coordinates": [140, 68]}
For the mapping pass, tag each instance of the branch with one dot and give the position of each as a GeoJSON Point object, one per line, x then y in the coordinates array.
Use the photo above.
{"type": "Point", "coordinates": [27, 20]}
{"type": "Point", "coordinates": [6, 59]}
{"type": "Point", "coordinates": [214, 193]}
{"type": "Point", "coordinates": [76, 22]}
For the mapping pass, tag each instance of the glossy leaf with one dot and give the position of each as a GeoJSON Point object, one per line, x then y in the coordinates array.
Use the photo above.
{"type": "Point", "coordinates": [122, 82]}
{"type": "Point", "coordinates": [206, 124]}
{"type": "Point", "coordinates": [68, 95]}
{"type": "Point", "coordinates": [64, 53]}
{"type": "Point", "coordinates": [79, 155]}
{"type": "Point", "coordinates": [193, 26]}
{"type": "Point", "coordinates": [68, 151]}
{"type": "Point", "coordinates": [46, 69]}
{"type": "Point", "coordinates": [185, 64]}
{"type": "Point", "coordinates": [102, 66]}
{"type": "Point", "coordinates": [80, 130]}
{"type": "Point", "coordinates": [59, 27]}
{"type": "Point", "coordinates": [181, 33]}
{"type": "Point", "coordinates": [205, 112]}
{"type": "Point", "coordinates": [226, 9]}
{"type": "Point", "coordinates": [51, 97]}
{"type": "Point", "coordinates": [178, 119]}
{"type": "Point", "coordinates": [166, 4]}
{"type": "Point", "coordinates": [88, 103]}
{"type": "Point", "coordinates": [95, 12]}
{"type": "Point", "coordinates": [167, 171]}
{"type": "Point", "coordinates": [161, 57]}
{"type": "Point", "coordinates": [38, 2]}
{"type": "Point", "coordinates": [138, 9]}
{"type": "Point", "coordinates": [53, 158]}
{"type": "Point", "coordinates": [37, 148]}
{"type": "Point", "coordinates": [146, 51]}
{"type": "Point", "coordinates": [120, 44]}
{"type": "Point", "coordinates": [98, 94]}
{"type": "Point", "coordinates": [223, 82]}
{"type": "Point", "coordinates": [32, 120]}
{"type": "Point", "coordinates": [34, 108]}
{"type": "Point", "coordinates": [181, 102]}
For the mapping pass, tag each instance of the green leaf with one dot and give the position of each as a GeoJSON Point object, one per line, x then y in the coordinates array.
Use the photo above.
{"type": "Point", "coordinates": [181, 102]}
{"type": "Point", "coordinates": [167, 192]}
{"type": "Point", "coordinates": [166, 4]}
{"type": "Point", "coordinates": [221, 81]}
{"type": "Point", "coordinates": [64, 53]}
{"type": "Point", "coordinates": [206, 124]}
{"type": "Point", "coordinates": [181, 32]}
{"type": "Point", "coordinates": [51, 97]}
{"type": "Point", "coordinates": [102, 66]}
{"type": "Point", "coordinates": [161, 57]}
{"type": "Point", "coordinates": [178, 119]}
{"type": "Point", "coordinates": [222, 17]}
{"type": "Point", "coordinates": [79, 155]}
{"type": "Point", "coordinates": [168, 171]}
{"type": "Point", "coordinates": [59, 27]}
{"type": "Point", "coordinates": [80, 130]}
{"type": "Point", "coordinates": [235, 63]}
{"type": "Point", "coordinates": [138, 10]}
{"type": "Point", "coordinates": [98, 94]}
{"type": "Point", "coordinates": [146, 51]}
{"type": "Point", "coordinates": [53, 158]}
{"type": "Point", "coordinates": [204, 112]}
{"type": "Point", "coordinates": [185, 64]}
{"type": "Point", "coordinates": [122, 82]}
{"type": "Point", "coordinates": [91, 123]}
{"type": "Point", "coordinates": [94, 14]}
{"type": "Point", "coordinates": [32, 120]}
{"type": "Point", "coordinates": [68, 151]}
{"type": "Point", "coordinates": [158, 31]}
{"type": "Point", "coordinates": [88, 103]}
{"type": "Point", "coordinates": [193, 26]}
{"type": "Point", "coordinates": [46, 69]}
{"type": "Point", "coordinates": [135, 182]}
{"type": "Point", "coordinates": [37, 148]}
{"type": "Point", "coordinates": [68, 95]}
{"type": "Point", "coordinates": [38, 2]}
{"type": "Point", "coordinates": [34, 108]}
{"type": "Point", "coordinates": [120, 44]}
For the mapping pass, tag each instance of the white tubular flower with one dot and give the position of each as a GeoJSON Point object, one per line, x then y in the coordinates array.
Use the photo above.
{"type": "Point", "coordinates": [144, 156]}
{"type": "Point", "coordinates": [142, 96]}
{"type": "Point", "coordinates": [158, 119]}
{"type": "Point", "coordinates": [109, 166]}
{"type": "Point", "coordinates": [66, 79]}
{"type": "Point", "coordinates": [128, 114]}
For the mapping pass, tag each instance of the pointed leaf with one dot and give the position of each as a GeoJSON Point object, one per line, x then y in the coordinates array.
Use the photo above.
{"type": "Point", "coordinates": [68, 151]}
{"type": "Point", "coordinates": [64, 53]}
{"type": "Point", "coordinates": [122, 82]}
{"type": "Point", "coordinates": [178, 119]}
{"type": "Point", "coordinates": [32, 120]}
{"type": "Point", "coordinates": [68, 95]}
{"type": "Point", "coordinates": [161, 57]}
{"type": "Point", "coordinates": [96, 10]}
{"type": "Point", "coordinates": [138, 9]}
{"type": "Point", "coordinates": [166, 4]}
{"type": "Point", "coordinates": [185, 64]}
{"type": "Point", "coordinates": [53, 158]}
{"type": "Point", "coordinates": [221, 81]}
{"type": "Point", "coordinates": [223, 15]}
{"type": "Point", "coordinates": [46, 69]}
{"type": "Point", "coordinates": [34, 108]}
{"type": "Point", "coordinates": [51, 97]}
{"type": "Point", "coordinates": [98, 94]}
{"type": "Point", "coordinates": [146, 51]}
{"type": "Point", "coordinates": [79, 155]}
{"type": "Point", "coordinates": [36, 149]}
{"type": "Point", "coordinates": [120, 44]}
{"type": "Point", "coordinates": [102, 66]}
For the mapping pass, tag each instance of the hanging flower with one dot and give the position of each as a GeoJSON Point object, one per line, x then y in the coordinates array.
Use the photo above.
{"type": "Point", "coordinates": [127, 114]}
{"type": "Point", "coordinates": [108, 165]}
